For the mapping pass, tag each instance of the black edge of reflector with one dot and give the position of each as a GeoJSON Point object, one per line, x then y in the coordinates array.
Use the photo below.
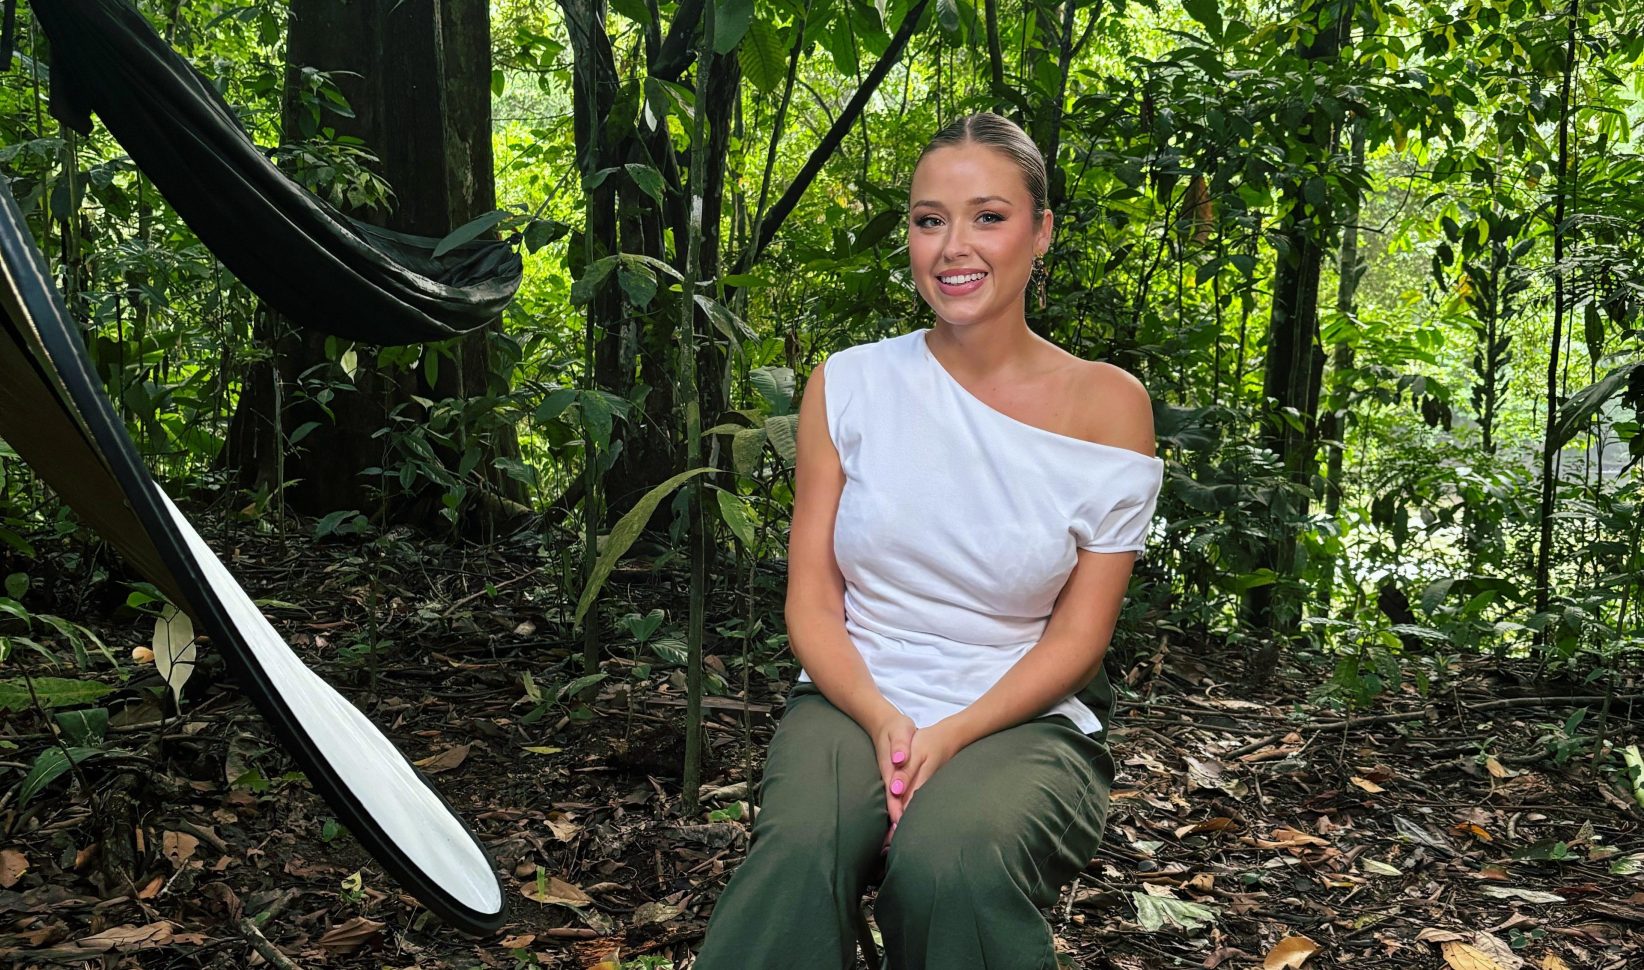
{"type": "Point", "coordinates": [23, 260]}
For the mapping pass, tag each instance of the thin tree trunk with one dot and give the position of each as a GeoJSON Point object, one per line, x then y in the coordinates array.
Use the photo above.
{"type": "Point", "coordinates": [1549, 453]}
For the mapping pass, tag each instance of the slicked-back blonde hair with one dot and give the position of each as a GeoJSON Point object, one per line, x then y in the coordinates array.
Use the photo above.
{"type": "Point", "coordinates": [1004, 135]}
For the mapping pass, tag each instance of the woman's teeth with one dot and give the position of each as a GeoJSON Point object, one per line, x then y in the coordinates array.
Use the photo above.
{"type": "Point", "coordinates": [956, 280]}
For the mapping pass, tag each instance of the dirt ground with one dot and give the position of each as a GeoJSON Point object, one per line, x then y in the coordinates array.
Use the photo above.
{"type": "Point", "coordinates": [1249, 826]}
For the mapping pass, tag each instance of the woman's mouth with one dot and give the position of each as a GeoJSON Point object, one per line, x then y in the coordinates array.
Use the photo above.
{"type": "Point", "coordinates": [958, 284]}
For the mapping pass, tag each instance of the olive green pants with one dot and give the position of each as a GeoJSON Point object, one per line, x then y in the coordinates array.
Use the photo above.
{"type": "Point", "coordinates": [986, 842]}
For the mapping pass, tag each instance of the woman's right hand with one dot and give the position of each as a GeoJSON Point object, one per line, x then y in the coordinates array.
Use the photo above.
{"type": "Point", "coordinates": [892, 738]}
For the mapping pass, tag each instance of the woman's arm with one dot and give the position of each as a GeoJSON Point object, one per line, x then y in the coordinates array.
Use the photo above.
{"type": "Point", "coordinates": [815, 609]}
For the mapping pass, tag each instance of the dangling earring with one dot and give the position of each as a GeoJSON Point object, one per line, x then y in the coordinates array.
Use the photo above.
{"type": "Point", "coordinates": [1039, 275]}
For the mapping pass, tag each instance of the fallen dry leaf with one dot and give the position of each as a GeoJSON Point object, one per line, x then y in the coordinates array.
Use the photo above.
{"type": "Point", "coordinates": [1290, 953]}
{"type": "Point", "coordinates": [446, 760]}
{"type": "Point", "coordinates": [1476, 951]}
{"type": "Point", "coordinates": [12, 866]}
{"type": "Point", "coordinates": [127, 938]}
{"type": "Point", "coordinates": [655, 912]}
{"type": "Point", "coordinates": [553, 889]}
{"type": "Point", "coordinates": [350, 936]}
{"type": "Point", "coordinates": [1208, 825]}
{"type": "Point", "coordinates": [178, 847]}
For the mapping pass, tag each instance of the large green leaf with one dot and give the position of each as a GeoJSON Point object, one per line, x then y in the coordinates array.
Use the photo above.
{"type": "Point", "coordinates": [48, 768]}
{"type": "Point", "coordinates": [52, 691]}
{"type": "Point", "coordinates": [734, 511]}
{"type": "Point", "coordinates": [731, 20]}
{"type": "Point", "coordinates": [1585, 402]}
{"type": "Point", "coordinates": [468, 232]}
{"type": "Point", "coordinates": [764, 62]}
{"type": "Point", "coordinates": [623, 535]}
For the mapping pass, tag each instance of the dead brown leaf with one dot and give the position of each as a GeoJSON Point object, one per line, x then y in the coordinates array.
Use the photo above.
{"type": "Point", "coordinates": [553, 889]}
{"type": "Point", "coordinates": [446, 760]}
{"type": "Point", "coordinates": [350, 936]}
{"type": "Point", "coordinates": [12, 866]}
{"type": "Point", "coordinates": [1290, 953]}
{"type": "Point", "coordinates": [178, 847]}
{"type": "Point", "coordinates": [127, 937]}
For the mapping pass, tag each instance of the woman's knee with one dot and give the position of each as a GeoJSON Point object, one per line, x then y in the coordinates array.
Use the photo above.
{"type": "Point", "coordinates": [820, 778]}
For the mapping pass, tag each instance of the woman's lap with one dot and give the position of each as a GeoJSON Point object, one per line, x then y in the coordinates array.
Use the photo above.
{"type": "Point", "coordinates": [1037, 792]}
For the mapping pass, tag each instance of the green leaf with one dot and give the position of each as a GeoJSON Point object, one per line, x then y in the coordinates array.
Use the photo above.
{"type": "Point", "coordinates": [1154, 913]}
{"type": "Point", "coordinates": [575, 687]}
{"type": "Point", "coordinates": [583, 289]}
{"type": "Point", "coordinates": [86, 726]}
{"type": "Point", "coordinates": [731, 20]}
{"type": "Point", "coordinates": [52, 691]}
{"type": "Point", "coordinates": [1585, 402]}
{"type": "Point", "coordinates": [672, 650]}
{"type": "Point", "coordinates": [468, 231]}
{"type": "Point", "coordinates": [623, 535]}
{"type": "Point", "coordinates": [747, 447]}
{"type": "Point", "coordinates": [764, 62]}
{"type": "Point", "coordinates": [877, 229]}
{"type": "Point", "coordinates": [332, 521]}
{"type": "Point", "coordinates": [1208, 14]}
{"type": "Point", "coordinates": [725, 321]}
{"type": "Point", "coordinates": [637, 284]}
{"type": "Point", "coordinates": [736, 514]}
{"type": "Point", "coordinates": [541, 232]}
{"type": "Point", "coordinates": [647, 178]}
{"type": "Point", "coordinates": [635, 10]}
{"type": "Point", "coordinates": [48, 768]}
{"type": "Point", "coordinates": [17, 584]}
{"type": "Point", "coordinates": [783, 431]}
{"type": "Point", "coordinates": [775, 385]}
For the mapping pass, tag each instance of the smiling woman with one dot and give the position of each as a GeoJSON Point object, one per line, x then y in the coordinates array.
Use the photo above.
{"type": "Point", "coordinates": [964, 528]}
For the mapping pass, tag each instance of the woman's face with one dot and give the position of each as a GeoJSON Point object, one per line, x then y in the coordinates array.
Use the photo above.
{"type": "Point", "coordinates": [970, 215]}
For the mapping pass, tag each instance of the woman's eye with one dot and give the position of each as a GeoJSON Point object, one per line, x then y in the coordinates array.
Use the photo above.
{"type": "Point", "coordinates": [993, 214]}
{"type": "Point", "coordinates": [920, 222]}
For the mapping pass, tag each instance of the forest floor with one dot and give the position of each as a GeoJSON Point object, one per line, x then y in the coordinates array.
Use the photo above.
{"type": "Point", "coordinates": [1248, 826]}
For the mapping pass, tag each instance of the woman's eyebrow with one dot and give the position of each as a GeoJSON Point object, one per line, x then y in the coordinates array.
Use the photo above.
{"type": "Point", "coordinates": [976, 201]}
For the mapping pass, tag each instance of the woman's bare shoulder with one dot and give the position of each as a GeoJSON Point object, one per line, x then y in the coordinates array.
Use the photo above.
{"type": "Point", "coordinates": [1117, 408]}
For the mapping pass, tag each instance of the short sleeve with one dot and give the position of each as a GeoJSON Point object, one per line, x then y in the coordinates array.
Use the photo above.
{"type": "Point", "coordinates": [837, 372]}
{"type": "Point", "coordinates": [1121, 525]}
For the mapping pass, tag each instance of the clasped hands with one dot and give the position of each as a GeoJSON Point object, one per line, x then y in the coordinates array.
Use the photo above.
{"type": "Point", "coordinates": [908, 757]}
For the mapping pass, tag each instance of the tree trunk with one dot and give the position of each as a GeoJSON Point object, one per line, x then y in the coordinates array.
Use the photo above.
{"type": "Point", "coordinates": [1295, 358]}
{"type": "Point", "coordinates": [1334, 421]}
{"type": "Point", "coordinates": [416, 74]}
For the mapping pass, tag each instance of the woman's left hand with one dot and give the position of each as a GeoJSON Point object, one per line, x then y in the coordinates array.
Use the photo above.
{"type": "Point", "coordinates": [932, 748]}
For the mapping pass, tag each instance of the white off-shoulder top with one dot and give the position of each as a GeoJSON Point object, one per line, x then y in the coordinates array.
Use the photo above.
{"type": "Point", "coordinates": [958, 525]}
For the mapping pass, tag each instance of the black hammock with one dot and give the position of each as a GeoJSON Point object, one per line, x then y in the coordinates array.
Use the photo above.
{"type": "Point", "coordinates": [55, 415]}
{"type": "Point", "coordinates": [321, 269]}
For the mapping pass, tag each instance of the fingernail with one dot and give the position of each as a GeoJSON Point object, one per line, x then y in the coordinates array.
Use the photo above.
{"type": "Point", "coordinates": [896, 787]}
{"type": "Point", "coordinates": [899, 757]}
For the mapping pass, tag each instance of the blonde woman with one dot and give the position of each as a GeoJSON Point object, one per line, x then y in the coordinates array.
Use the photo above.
{"type": "Point", "coordinates": [970, 500]}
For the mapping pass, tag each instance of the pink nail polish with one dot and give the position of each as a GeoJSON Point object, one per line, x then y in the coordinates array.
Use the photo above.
{"type": "Point", "coordinates": [896, 787]}
{"type": "Point", "coordinates": [899, 757]}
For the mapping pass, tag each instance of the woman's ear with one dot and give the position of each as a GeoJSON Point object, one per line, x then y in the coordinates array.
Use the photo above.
{"type": "Point", "coordinates": [1042, 236]}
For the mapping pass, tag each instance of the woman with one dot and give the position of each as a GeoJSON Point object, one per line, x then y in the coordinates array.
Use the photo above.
{"type": "Point", "coordinates": [969, 502]}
